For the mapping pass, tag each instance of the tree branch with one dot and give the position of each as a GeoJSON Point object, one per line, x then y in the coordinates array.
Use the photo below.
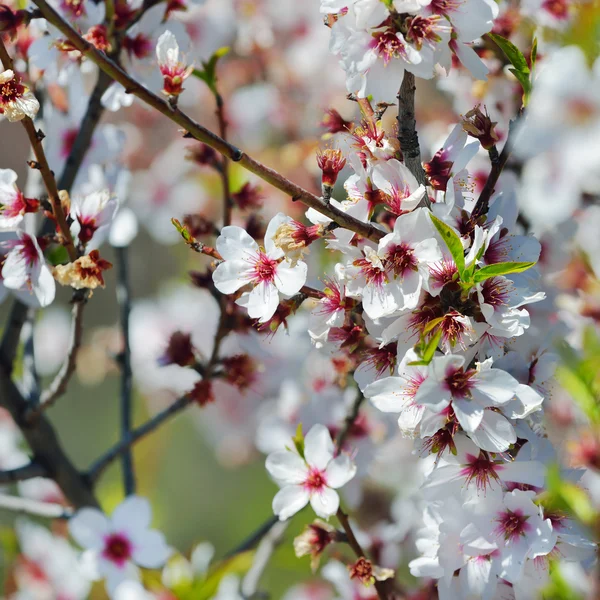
{"type": "Point", "coordinates": [407, 128]}
{"type": "Point", "coordinates": [29, 471]}
{"type": "Point", "coordinates": [60, 383]}
{"type": "Point", "coordinates": [202, 134]}
{"type": "Point", "coordinates": [124, 300]}
{"type": "Point", "coordinates": [35, 139]}
{"type": "Point", "coordinates": [136, 435]}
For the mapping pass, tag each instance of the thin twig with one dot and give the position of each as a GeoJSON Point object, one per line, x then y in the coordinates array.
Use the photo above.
{"type": "Point", "coordinates": [29, 471]}
{"type": "Point", "coordinates": [60, 383]}
{"type": "Point", "coordinates": [263, 554]}
{"type": "Point", "coordinates": [35, 139]}
{"type": "Point", "coordinates": [498, 163]}
{"type": "Point", "coordinates": [407, 128]}
{"type": "Point", "coordinates": [35, 508]}
{"type": "Point", "coordinates": [349, 421]}
{"type": "Point", "coordinates": [30, 378]}
{"type": "Point", "coordinates": [224, 166]}
{"type": "Point", "coordinates": [254, 538]}
{"type": "Point", "coordinates": [202, 134]}
{"type": "Point", "coordinates": [135, 436]}
{"type": "Point", "coordinates": [124, 300]}
{"type": "Point", "coordinates": [12, 335]}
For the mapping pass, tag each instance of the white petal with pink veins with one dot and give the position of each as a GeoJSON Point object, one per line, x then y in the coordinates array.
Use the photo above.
{"type": "Point", "coordinates": [231, 275]}
{"type": "Point", "coordinates": [339, 471]}
{"type": "Point", "coordinates": [468, 413]}
{"type": "Point", "coordinates": [88, 527]}
{"type": "Point", "coordinates": [261, 302]}
{"type": "Point", "coordinates": [497, 385]}
{"type": "Point", "coordinates": [289, 279]}
{"type": "Point", "coordinates": [289, 500]}
{"type": "Point", "coordinates": [318, 447]}
{"type": "Point", "coordinates": [132, 515]}
{"type": "Point", "coordinates": [287, 467]}
{"type": "Point", "coordinates": [150, 550]}
{"type": "Point", "coordinates": [235, 242]}
{"type": "Point", "coordinates": [325, 503]}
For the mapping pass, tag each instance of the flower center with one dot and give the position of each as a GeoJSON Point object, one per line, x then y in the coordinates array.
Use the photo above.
{"type": "Point", "coordinates": [387, 45]}
{"type": "Point", "coordinates": [315, 481]}
{"type": "Point", "coordinates": [373, 274]}
{"type": "Point", "coordinates": [400, 259]}
{"type": "Point", "coordinates": [512, 525]}
{"type": "Point", "coordinates": [480, 469]}
{"type": "Point", "coordinates": [265, 268]}
{"type": "Point", "coordinates": [444, 7]}
{"type": "Point", "coordinates": [495, 291]}
{"type": "Point", "coordinates": [460, 382]}
{"type": "Point", "coordinates": [11, 90]}
{"type": "Point", "coordinates": [559, 9]}
{"type": "Point", "coordinates": [117, 548]}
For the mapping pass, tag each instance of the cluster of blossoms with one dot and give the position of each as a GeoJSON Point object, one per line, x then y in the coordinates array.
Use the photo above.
{"type": "Point", "coordinates": [391, 350]}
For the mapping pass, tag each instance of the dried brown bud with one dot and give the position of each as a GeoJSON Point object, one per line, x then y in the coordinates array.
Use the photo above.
{"type": "Point", "coordinates": [202, 394]}
{"type": "Point", "coordinates": [198, 225]}
{"type": "Point", "coordinates": [203, 155]}
{"type": "Point", "coordinates": [85, 272]}
{"type": "Point", "coordinates": [366, 573]}
{"type": "Point", "coordinates": [249, 197]}
{"type": "Point", "coordinates": [179, 351]}
{"type": "Point", "coordinates": [239, 370]}
{"type": "Point", "coordinates": [481, 127]}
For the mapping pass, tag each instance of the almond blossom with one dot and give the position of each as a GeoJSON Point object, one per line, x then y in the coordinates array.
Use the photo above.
{"type": "Point", "coordinates": [268, 271]}
{"type": "Point", "coordinates": [173, 68]}
{"type": "Point", "coordinates": [13, 204]}
{"type": "Point", "coordinates": [116, 546]}
{"type": "Point", "coordinates": [25, 268]}
{"type": "Point", "coordinates": [313, 477]}
{"type": "Point", "coordinates": [16, 101]}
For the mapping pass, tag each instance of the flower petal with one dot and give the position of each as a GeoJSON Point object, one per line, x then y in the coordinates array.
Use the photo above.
{"type": "Point", "coordinates": [88, 527]}
{"type": "Point", "coordinates": [150, 549]}
{"type": "Point", "coordinates": [318, 447]}
{"type": "Point", "coordinates": [133, 515]}
{"type": "Point", "coordinates": [289, 500]}
{"type": "Point", "coordinates": [286, 467]}
{"type": "Point", "coordinates": [339, 471]}
{"type": "Point", "coordinates": [235, 243]}
{"type": "Point", "coordinates": [325, 503]}
{"type": "Point", "coordinates": [290, 279]}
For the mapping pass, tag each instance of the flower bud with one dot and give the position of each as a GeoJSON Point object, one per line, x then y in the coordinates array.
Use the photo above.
{"type": "Point", "coordinates": [249, 197]}
{"type": "Point", "coordinates": [333, 122]}
{"type": "Point", "coordinates": [179, 351]}
{"type": "Point", "coordinates": [174, 71]}
{"type": "Point", "coordinates": [202, 393]}
{"type": "Point", "coordinates": [239, 370]}
{"type": "Point", "coordinates": [481, 127]}
{"type": "Point", "coordinates": [198, 225]}
{"type": "Point", "coordinates": [203, 154]}
{"type": "Point", "coordinates": [98, 37]}
{"type": "Point", "coordinates": [331, 162]}
{"type": "Point", "coordinates": [366, 573]}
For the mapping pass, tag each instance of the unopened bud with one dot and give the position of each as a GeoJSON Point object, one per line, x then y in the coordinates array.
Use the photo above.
{"type": "Point", "coordinates": [202, 394]}
{"type": "Point", "coordinates": [331, 162]}
{"type": "Point", "coordinates": [179, 351]}
{"type": "Point", "coordinates": [249, 197]}
{"type": "Point", "coordinates": [239, 370]}
{"type": "Point", "coordinates": [333, 122]}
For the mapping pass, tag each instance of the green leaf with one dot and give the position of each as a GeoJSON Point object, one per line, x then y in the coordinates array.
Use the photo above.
{"type": "Point", "coordinates": [58, 255]}
{"type": "Point", "coordinates": [504, 268]}
{"type": "Point", "coordinates": [580, 390]}
{"type": "Point", "coordinates": [453, 242]}
{"type": "Point", "coordinates": [520, 67]}
{"type": "Point", "coordinates": [298, 440]}
{"type": "Point", "coordinates": [533, 55]}
{"type": "Point", "coordinates": [432, 345]}
{"type": "Point", "coordinates": [208, 73]}
{"type": "Point", "coordinates": [514, 55]}
{"type": "Point", "coordinates": [236, 565]}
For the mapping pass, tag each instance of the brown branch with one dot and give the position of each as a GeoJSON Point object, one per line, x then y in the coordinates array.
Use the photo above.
{"type": "Point", "coordinates": [35, 139]}
{"type": "Point", "coordinates": [45, 446]}
{"type": "Point", "coordinates": [498, 163]}
{"type": "Point", "coordinates": [60, 383]}
{"type": "Point", "coordinates": [29, 471]}
{"type": "Point", "coordinates": [224, 165]}
{"type": "Point", "coordinates": [135, 436]}
{"type": "Point", "coordinates": [407, 128]}
{"type": "Point", "coordinates": [349, 421]}
{"type": "Point", "coordinates": [202, 134]}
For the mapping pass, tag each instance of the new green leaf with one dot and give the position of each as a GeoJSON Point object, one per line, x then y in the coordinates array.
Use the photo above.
{"type": "Point", "coordinates": [504, 268]}
{"type": "Point", "coordinates": [520, 67]}
{"type": "Point", "coordinates": [453, 242]}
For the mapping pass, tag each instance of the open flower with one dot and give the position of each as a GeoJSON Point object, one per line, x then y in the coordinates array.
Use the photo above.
{"type": "Point", "coordinates": [174, 71]}
{"type": "Point", "coordinates": [16, 101]}
{"type": "Point", "coordinates": [93, 215]}
{"type": "Point", "coordinates": [114, 546]}
{"type": "Point", "coordinates": [312, 478]}
{"type": "Point", "coordinates": [25, 268]}
{"type": "Point", "coordinates": [13, 204]}
{"type": "Point", "coordinates": [268, 271]}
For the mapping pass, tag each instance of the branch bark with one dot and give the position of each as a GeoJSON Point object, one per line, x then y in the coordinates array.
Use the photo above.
{"type": "Point", "coordinates": [407, 128]}
{"type": "Point", "coordinates": [202, 134]}
{"type": "Point", "coordinates": [29, 471]}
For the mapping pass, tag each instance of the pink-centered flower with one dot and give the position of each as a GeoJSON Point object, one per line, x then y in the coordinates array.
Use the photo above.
{"type": "Point", "coordinates": [312, 478]}
{"type": "Point", "coordinates": [268, 271]}
{"type": "Point", "coordinates": [13, 204]}
{"type": "Point", "coordinates": [115, 545]}
{"type": "Point", "coordinates": [16, 101]}
{"type": "Point", "coordinates": [93, 215]}
{"type": "Point", "coordinates": [25, 268]}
